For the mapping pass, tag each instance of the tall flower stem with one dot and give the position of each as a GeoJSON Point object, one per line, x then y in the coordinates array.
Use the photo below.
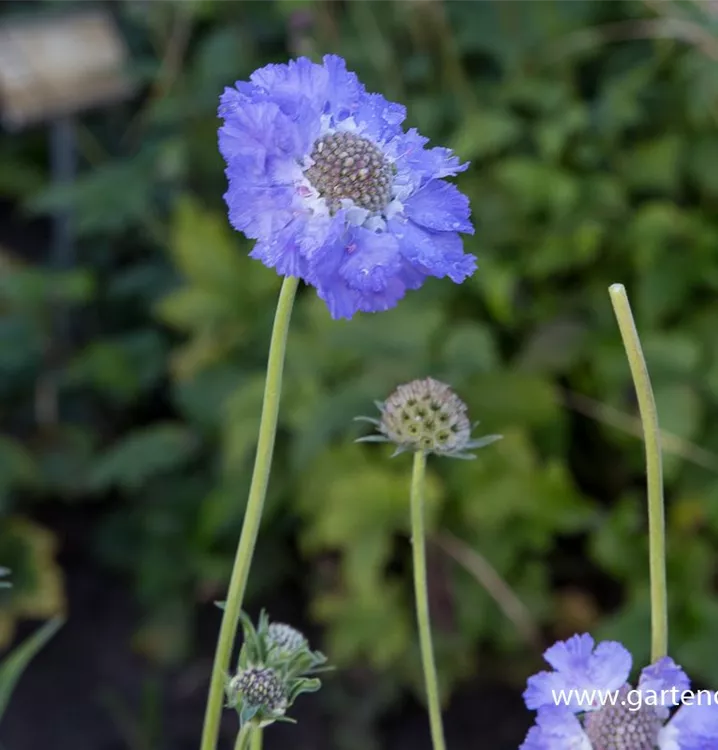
{"type": "Point", "coordinates": [418, 541]}
{"type": "Point", "coordinates": [256, 739]}
{"type": "Point", "coordinates": [654, 470]}
{"type": "Point", "coordinates": [253, 514]}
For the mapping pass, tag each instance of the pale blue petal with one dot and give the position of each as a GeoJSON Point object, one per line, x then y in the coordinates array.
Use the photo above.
{"type": "Point", "coordinates": [556, 729]}
{"type": "Point", "coordinates": [578, 667]}
{"type": "Point", "coordinates": [666, 680]}
{"type": "Point", "coordinates": [436, 253]}
{"type": "Point", "coordinates": [372, 260]}
{"type": "Point", "coordinates": [440, 206]}
{"type": "Point", "coordinates": [693, 727]}
{"type": "Point", "coordinates": [378, 118]}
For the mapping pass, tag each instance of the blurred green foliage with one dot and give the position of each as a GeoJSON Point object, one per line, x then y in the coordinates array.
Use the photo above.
{"type": "Point", "coordinates": [16, 662]}
{"type": "Point", "coordinates": [591, 128]}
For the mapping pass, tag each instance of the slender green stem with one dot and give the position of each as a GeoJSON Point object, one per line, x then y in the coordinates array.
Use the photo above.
{"type": "Point", "coordinates": [249, 738]}
{"type": "Point", "coordinates": [418, 541]}
{"type": "Point", "coordinates": [244, 736]}
{"type": "Point", "coordinates": [253, 514]}
{"type": "Point", "coordinates": [654, 470]}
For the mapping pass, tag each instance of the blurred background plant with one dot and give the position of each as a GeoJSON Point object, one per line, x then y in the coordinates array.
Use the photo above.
{"type": "Point", "coordinates": [591, 128]}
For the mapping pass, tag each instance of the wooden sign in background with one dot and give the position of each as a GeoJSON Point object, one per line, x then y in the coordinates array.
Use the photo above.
{"type": "Point", "coordinates": [56, 65]}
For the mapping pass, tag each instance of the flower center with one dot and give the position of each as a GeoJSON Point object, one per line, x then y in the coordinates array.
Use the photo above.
{"type": "Point", "coordinates": [347, 166]}
{"type": "Point", "coordinates": [623, 727]}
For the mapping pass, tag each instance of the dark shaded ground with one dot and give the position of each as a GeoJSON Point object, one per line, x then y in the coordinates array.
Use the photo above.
{"type": "Point", "coordinates": [88, 690]}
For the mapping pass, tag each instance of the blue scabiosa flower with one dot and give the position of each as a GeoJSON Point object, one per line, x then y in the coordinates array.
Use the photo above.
{"type": "Point", "coordinates": [586, 703]}
{"type": "Point", "coordinates": [324, 178]}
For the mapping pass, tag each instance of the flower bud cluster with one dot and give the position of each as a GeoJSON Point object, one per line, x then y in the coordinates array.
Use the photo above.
{"type": "Point", "coordinates": [275, 666]}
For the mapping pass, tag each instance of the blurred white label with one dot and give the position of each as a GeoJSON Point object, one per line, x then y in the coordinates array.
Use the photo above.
{"type": "Point", "coordinates": [58, 65]}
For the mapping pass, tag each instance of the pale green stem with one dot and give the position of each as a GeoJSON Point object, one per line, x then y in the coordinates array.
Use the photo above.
{"type": "Point", "coordinates": [249, 738]}
{"type": "Point", "coordinates": [243, 738]}
{"type": "Point", "coordinates": [253, 513]}
{"type": "Point", "coordinates": [421, 593]}
{"type": "Point", "coordinates": [654, 471]}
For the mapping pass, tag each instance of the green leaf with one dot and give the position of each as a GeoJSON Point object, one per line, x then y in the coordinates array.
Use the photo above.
{"type": "Point", "coordinates": [374, 501]}
{"type": "Point", "coordinates": [696, 652]}
{"type": "Point", "coordinates": [553, 347]}
{"type": "Point", "coordinates": [468, 348]}
{"type": "Point", "coordinates": [15, 663]}
{"type": "Point", "coordinates": [679, 412]}
{"type": "Point", "coordinates": [19, 177]}
{"type": "Point", "coordinates": [654, 165]}
{"type": "Point", "coordinates": [107, 199]}
{"type": "Point", "coordinates": [486, 133]}
{"type": "Point", "coordinates": [631, 626]}
{"type": "Point", "coordinates": [202, 398]}
{"type": "Point", "coordinates": [703, 164]}
{"type": "Point", "coordinates": [499, 399]}
{"type": "Point", "coordinates": [31, 289]}
{"type": "Point", "coordinates": [289, 7]}
{"type": "Point", "coordinates": [120, 368]}
{"type": "Point", "coordinates": [205, 249]}
{"type": "Point", "coordinates": [618, 544]}
{"type": "Point", "coordinates": [143, 455]}
{"type": "Point", "coordinates": [17, 467]}
{"type": "Point", "coordinates": [243, 410]}
{"type": "Point", "coordinates": [671, 354]}
{"type": "Point", "coordinates": [196, 309]}
{"type": "Point", "coordinates": [65, 457]}
{"type": "Point", "coordinates": [536, 186]}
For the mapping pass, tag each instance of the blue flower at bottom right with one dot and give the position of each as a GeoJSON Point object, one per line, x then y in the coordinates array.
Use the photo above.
{"type": "Point", "coordinates": [587, 703]}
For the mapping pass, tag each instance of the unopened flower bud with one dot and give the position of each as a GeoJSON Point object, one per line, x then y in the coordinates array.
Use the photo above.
{"type": "Point", "coordinates": [260, 686]}
{"type": "Point", "coordinates": [285, 638]}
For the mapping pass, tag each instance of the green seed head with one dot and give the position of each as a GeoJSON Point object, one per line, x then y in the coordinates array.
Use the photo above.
{"type": "Point", "coordinates": [426, 415]}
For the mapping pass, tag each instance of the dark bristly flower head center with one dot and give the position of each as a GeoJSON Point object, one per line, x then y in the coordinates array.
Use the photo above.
{"type": "Point", "coordinates": [348, 166]}
{"type": "Point", "coordinates": [622, 726]}
{"type": "Point", "coordinates": [261, 687]}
